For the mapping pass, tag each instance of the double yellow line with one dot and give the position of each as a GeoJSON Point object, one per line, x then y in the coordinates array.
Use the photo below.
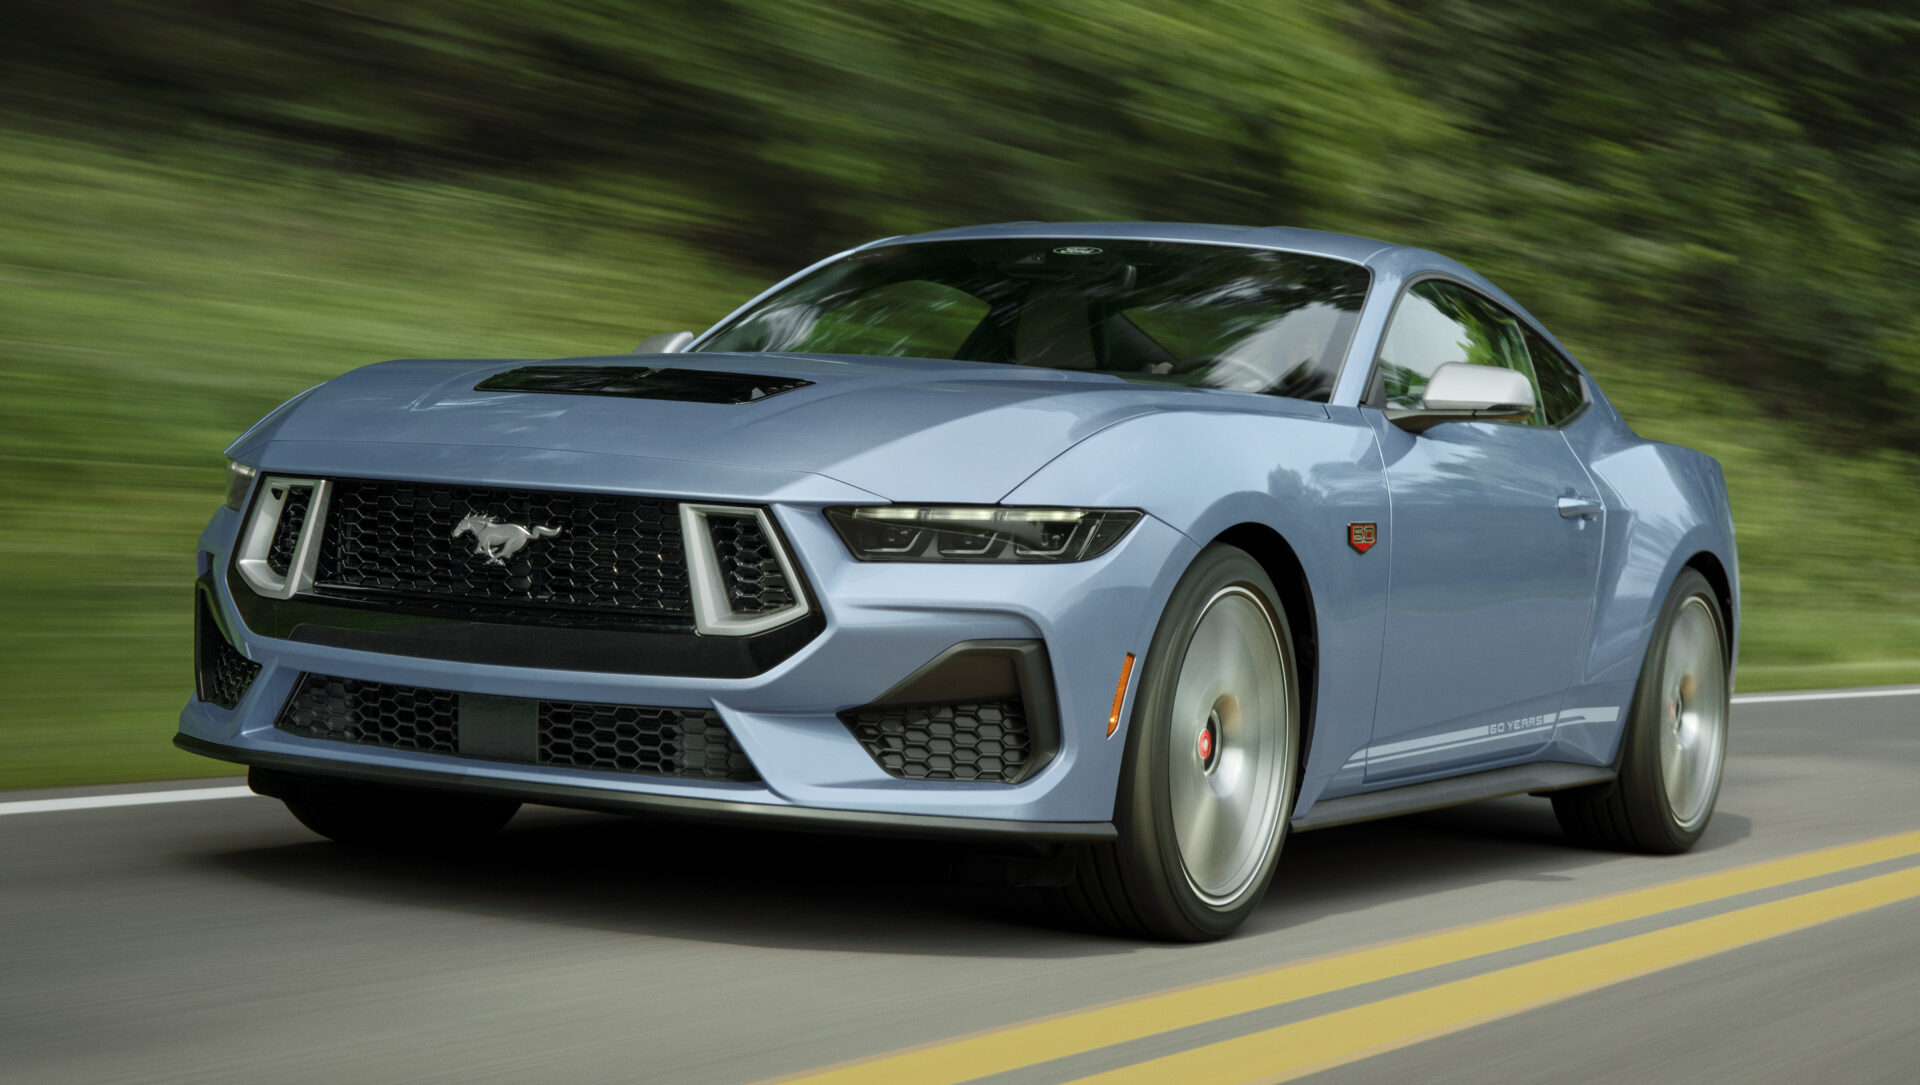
{"type": "Point", "coordinates": [1289, 1051]}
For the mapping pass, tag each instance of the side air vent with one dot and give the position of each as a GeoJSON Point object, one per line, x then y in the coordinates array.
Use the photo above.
{"type": "Point", "coordinates": [287, 530]}
{"type": "Point", "coordinates": [276, 551]}
{"type": "Point", "coordinates": [981, 710]}
{"type": "Point", "coordinates": [742, 579]}
{"type": "Point", "coordinates": [984, 740]}
{"type": "Point", "coordinates": [221, 673]}
{"type": "Point", "coordinates": [640, 382]}
{"type": "Point", "coordinates": [749, 564]}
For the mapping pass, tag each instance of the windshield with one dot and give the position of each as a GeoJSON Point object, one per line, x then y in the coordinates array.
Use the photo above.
{"type": "Point", "coordinates": [1212, 316]}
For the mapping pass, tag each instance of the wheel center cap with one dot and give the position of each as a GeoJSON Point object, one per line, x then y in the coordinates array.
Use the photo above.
{"type": "Point", "coordinates": [1208, 744]}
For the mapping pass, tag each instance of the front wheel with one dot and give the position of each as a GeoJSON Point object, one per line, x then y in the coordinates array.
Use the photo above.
{"type": "Point", "coordinates": [1675, 740]}
{"type": "Point", "coordinates": [1207, 782]}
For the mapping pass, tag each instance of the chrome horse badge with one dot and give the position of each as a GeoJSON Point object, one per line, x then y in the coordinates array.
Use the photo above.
{"type": "Point", "coordinates": [500, 541]}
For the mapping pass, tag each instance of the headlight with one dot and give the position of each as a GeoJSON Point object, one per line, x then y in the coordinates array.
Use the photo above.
{"type": "Point", "coordinates": [979, 533]}
{"type": "Point", "coordinates": [239, 481]}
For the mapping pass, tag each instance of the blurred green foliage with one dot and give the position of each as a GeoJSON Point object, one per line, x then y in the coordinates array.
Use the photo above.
{"type": "Point", "coordinates": [207, 206]}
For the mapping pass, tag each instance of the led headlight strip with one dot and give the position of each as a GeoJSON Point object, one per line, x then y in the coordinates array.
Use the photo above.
{"type": "Point", "coordinates": [239, 483]}
{"type": "Point", "coordinates": [979, 533]}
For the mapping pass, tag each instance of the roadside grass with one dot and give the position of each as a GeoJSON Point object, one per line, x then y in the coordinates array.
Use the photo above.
{"type": "Point", "coordinates": [155, 304]}
{"type": "Point", "coordinates": [1829, 543]}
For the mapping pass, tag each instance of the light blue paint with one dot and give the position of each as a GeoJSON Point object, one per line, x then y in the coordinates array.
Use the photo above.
{"type": "Point", "coordinates": [1484, 629]}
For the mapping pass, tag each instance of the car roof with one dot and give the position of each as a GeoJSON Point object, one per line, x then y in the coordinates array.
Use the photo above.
{"type": "Point", "coordinates": [1359, 250]}
{"type": "Point", "coordinates": [1397, 262]}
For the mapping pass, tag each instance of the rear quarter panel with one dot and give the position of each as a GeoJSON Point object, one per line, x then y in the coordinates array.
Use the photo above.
{"type": "Point", "coordinates": [1666, 505]}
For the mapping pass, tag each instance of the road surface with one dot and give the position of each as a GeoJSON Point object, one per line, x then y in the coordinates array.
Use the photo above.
{"type": "Point", "coordinates": [213, 939]}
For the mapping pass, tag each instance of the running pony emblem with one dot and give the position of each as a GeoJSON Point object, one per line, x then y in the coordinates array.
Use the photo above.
{"type": "Point", "coordinates": [500, 541]}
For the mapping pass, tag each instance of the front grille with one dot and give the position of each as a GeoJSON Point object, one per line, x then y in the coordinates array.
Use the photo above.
{"type": "Point", "coordinates": [689, 743]}
{"type": "Point", "coordinates": [983, 740]}
{"type": "Point", "coordinates": [748, 567]}
{"type": "Point", "coordinates": [587, 554]}
{"type": "Point", "coordinates": [224, 674]}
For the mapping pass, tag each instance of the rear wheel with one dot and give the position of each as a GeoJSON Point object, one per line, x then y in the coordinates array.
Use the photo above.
{"type": "Point", "coordinates": [1676, 737]}
{"type": "Point", "coordinates": [387, 818]}
{"type": "Point", "coordinates": [1207, 784]}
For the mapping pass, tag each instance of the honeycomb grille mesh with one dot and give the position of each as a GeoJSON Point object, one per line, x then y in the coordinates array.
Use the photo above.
{"type": "Point", "coordinates": [225, 674]}
{"type": "Point", "coordinates": [374, 713]}
{"type": "Point", "coordinates": [607, 554]}
{"type": "Point", "coordinates": [286, 532]}
{"type": "Point", "coordinates": [646, 741]}
{"type": "Point", "coordinates": [982, 740]}
{"type": "Point", "coordinates": [748, 567]}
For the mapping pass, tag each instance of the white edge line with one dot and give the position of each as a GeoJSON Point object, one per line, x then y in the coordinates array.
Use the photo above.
{"type": "Point", "coordinates": [143, 798]}
{"type": "Point", "coordinates": [1842, 695]}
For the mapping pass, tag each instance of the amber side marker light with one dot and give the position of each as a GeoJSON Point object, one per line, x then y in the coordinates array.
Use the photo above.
{"type": "Point", "coordinates": [1119, 694]}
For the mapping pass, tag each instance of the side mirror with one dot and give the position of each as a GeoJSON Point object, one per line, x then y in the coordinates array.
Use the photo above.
{"type": "Point", "coordinates": [1459, 392]}
{"type": "Point", "coordinates": [664, 343]}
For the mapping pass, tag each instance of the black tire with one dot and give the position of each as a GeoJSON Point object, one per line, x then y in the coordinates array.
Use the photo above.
{"type": "Point", "coordinates": [394, 819]}
{"type": "Point", "coordinates": [1142, 884]}
{"type": "Point", "coordinates": [1637, 811]}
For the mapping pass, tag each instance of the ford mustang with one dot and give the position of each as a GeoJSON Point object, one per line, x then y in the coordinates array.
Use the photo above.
{"type": "Point", "coordinates": [1136, 546]}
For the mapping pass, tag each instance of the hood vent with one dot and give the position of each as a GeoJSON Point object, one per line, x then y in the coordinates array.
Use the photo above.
{"type": "Point", "coordinates": [640, 382]}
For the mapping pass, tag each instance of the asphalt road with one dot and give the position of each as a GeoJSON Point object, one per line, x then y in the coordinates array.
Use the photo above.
{"type": "Point", "coordinates": [218, 941]}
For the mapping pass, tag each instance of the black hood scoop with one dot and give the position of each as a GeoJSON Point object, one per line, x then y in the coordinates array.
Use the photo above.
{"type": "Point", "coordinates": [640, 382]}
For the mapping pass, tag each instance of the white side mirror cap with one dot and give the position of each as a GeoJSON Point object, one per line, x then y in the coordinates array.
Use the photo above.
{"type": "Point", "coordinates": [1459, 392]}
{"type": "Point", "coordinates": [1457, 386]}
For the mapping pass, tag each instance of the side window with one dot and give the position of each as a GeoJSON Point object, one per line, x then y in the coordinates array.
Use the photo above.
{"type": "Point", "coordinates": [1562, 390]}
{"type": "Point", "coordinates": [1438, 322]}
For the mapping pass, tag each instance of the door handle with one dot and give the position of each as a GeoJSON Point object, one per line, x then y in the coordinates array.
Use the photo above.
{"type": "Point", "coordinates": [1579, 508]}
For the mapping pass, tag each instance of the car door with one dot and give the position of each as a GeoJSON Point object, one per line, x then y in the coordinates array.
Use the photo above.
{"type": "Point", "coordinates": [1494, 545]}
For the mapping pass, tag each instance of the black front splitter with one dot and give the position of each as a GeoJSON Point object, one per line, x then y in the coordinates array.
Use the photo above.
{"type": "Point", "coordinates": [804, 819]}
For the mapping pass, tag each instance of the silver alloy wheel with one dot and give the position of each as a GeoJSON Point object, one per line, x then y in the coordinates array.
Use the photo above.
{"type": "Point", "coordinates": [1230, 747]}
{"type": "Point", "coordinates": [1693, 712]}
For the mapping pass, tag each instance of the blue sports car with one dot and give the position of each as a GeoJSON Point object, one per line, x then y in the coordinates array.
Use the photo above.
{"type": "Point", "coordinates": [1134, 546]}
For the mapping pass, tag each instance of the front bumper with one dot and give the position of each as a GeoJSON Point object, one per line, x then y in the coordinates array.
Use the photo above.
{"type": "Point", "coordinates": [882, 623]}
{"type": "Point", "coordinates": [612, 801]}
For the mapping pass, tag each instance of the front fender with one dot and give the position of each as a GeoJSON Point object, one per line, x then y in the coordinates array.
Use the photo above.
{"type": "Point", "coordinates": [1304, 478]}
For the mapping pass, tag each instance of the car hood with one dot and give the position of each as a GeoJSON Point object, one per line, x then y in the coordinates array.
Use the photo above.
{"type": "Point", "coordinates": [900, 428]}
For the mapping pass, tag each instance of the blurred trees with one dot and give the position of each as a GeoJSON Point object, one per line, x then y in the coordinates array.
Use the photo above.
{"type": "Point", "coordinates": [1728, 189]}
{"type": "Point", "coordinates": [1735, 187]}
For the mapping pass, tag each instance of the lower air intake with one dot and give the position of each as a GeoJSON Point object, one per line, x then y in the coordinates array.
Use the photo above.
{"type": "Point", "coordinates": [983, 740]}
{"type": "Point", "coordinates": [649, 741]}
{"type": "Point", "coordinates": [689, 743]}
{"type": "Point", "coordinates": [374, 713]}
